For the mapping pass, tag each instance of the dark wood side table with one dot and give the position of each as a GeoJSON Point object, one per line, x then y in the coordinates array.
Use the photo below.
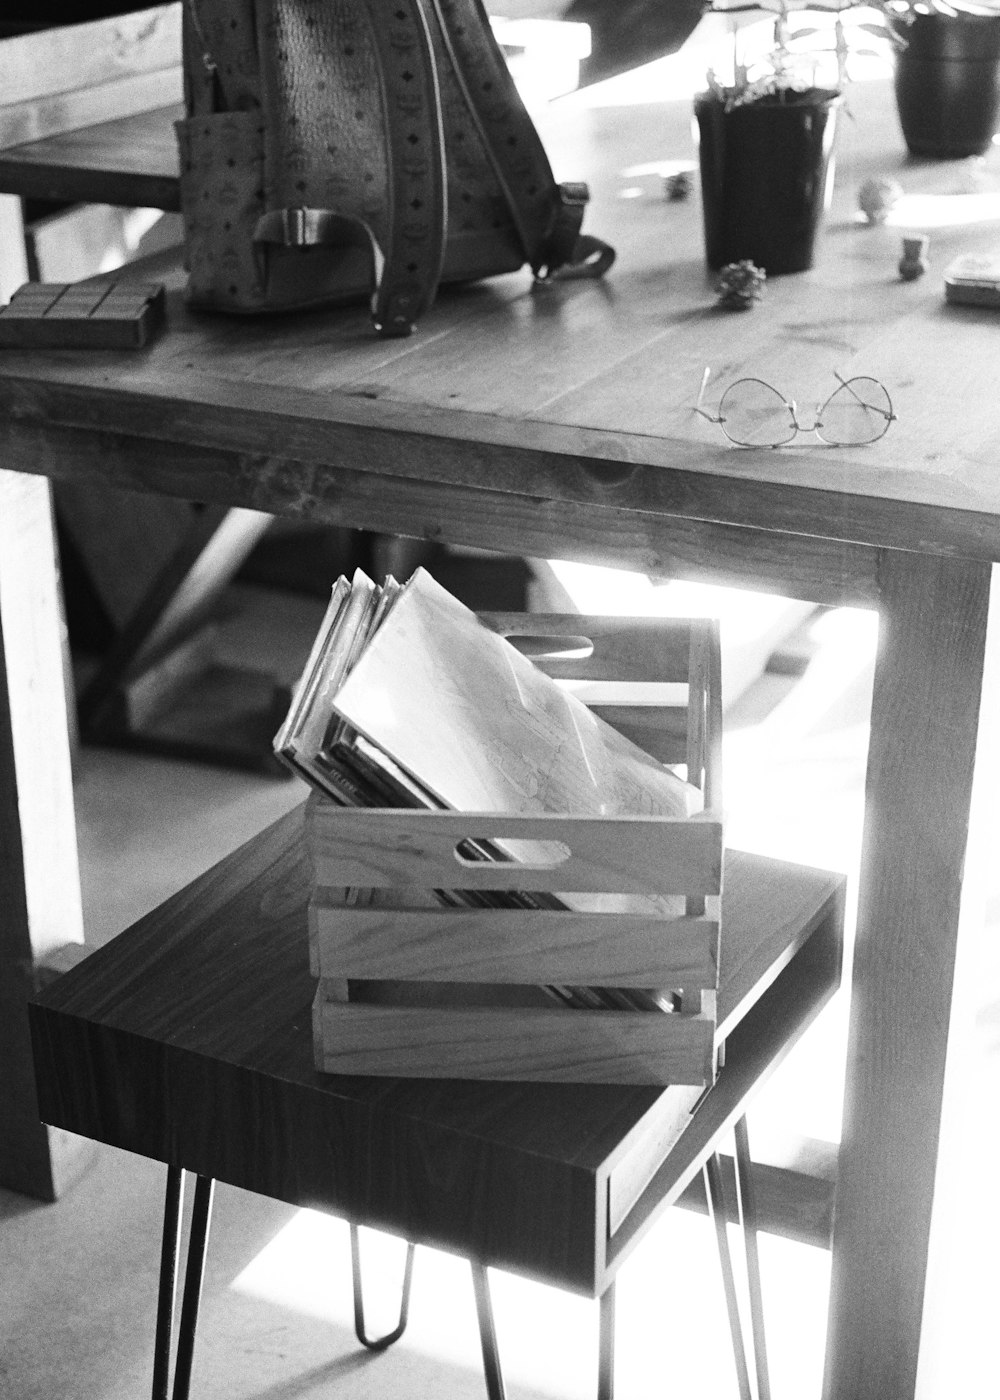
{"type": "Point", "coordinates": [188, 1039]}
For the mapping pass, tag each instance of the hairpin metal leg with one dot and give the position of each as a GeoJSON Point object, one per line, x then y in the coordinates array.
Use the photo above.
{"type": "Point", "coordinates": [487, 1332]}
{"type": "Point", "coordinates": [166, 1298]}
{"type": "Point", "coordinates": [378, 1343]}
{"type": "Point", "coordinates": [194, 1277]}
{"type": "Point", "coordinates": [717, 1210]}
{"type": "Point", "coordinates": [606, 1345]}
{"type": "Point", "coordinates": [747, 1207]}
{"type": "Point", "coordinates": [495, 1388]}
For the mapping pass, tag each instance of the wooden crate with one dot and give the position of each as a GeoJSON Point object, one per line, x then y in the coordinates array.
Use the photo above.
{"type": "Point", "coordinates": [413, 988]}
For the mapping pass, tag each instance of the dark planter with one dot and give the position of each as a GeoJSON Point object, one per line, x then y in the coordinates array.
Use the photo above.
{"type": "Point", "coordinates": [766, 168]}
{"type": "Point", "coordinates": [948, 84]}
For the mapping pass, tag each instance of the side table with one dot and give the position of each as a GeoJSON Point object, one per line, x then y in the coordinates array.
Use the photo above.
{"type": "Point", "coordinates": [188, 1039]}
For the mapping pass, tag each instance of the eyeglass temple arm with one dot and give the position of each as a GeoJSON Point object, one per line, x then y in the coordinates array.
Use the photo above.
{"type": "Point", "coordinates": [712, 418]}
{"type": "Point", "coordinates": [887, 414]}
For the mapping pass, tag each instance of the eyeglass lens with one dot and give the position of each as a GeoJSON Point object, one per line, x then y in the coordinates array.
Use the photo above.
{"type": "Point", "coordinates": [754, 414]}
{"type": "Point", "coordinates": [858, 412]}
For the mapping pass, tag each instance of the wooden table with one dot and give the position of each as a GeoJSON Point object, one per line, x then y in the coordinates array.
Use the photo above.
{"type": "Point", "coordinates": [558, 422]}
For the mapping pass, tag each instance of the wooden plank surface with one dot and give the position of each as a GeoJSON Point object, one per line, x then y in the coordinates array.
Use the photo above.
{"type": "Point", "coordinates": [593, 405]}
{"type": "Point", "coordinates": [513, 945]}
{"type": "Point", "coordinates": [383, 849]}
{"type": "Point", "coordinates": [130, 161]}
{"type": "Point", "coordinates": [824, 570]}
{"type": "Point", "coordinates": [207, 1001]}
{"type": "Point", "coordinates": [535, 1045]}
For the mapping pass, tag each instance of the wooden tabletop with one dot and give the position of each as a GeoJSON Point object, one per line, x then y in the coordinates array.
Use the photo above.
{"type": "Point", "coordinates": [536, 418]}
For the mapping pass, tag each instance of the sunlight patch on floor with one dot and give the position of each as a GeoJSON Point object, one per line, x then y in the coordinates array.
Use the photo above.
{"type": "Point", "coordinates": [671, 1328]}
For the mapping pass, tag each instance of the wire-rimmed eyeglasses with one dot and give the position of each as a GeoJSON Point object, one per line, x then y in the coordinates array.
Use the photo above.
{"type": "Point", "coordinates": [752, 413]}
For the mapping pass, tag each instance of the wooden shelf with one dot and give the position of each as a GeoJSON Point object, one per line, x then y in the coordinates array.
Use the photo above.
{"type": "Point", "coordinates": [130, 161]}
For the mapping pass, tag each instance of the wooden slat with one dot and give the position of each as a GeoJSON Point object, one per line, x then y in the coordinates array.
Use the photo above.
{"type": "Point", "coordinates": [560, 1046]}
{"type": "Point", "coordinates": [645, 855]}
{"type": "Point", "coordinates": [541, 477]}
{"type": "Point", "coordinates": [823, 570]}
{"type": "Point", "coordinates": [512, 945]}
{"type": "Point", "coordinates": [620, 648]}
{"type": "Point", "coordinates": [794, 1197]}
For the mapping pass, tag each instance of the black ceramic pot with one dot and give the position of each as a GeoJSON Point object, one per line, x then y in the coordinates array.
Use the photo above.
{"type": "Point", "coordinates": [948, 84]}
{"type": "Point", "coordinates": [766, 170]}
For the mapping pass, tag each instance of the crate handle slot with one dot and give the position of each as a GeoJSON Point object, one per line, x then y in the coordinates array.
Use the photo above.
{"type": "Point", "coordinates": [552, 647]}
{"type": "Point", "coordinates": [527, 855]}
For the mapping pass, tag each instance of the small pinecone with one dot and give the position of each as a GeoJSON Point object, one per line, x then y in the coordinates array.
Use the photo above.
{"type": "Point", "coordinates": [740, 284]}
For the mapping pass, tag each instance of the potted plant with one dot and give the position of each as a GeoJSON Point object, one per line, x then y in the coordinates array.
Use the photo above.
{"type": "Point", "coordinates": [766, 141]}
{"type": "Point", "coordinates": [947, 76]}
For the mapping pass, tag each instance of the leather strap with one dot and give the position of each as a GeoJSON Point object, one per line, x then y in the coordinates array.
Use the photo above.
{"type": "Point", "coordinates": [572, 254]}
{"type": "Point", "coordinates": [353, 119]}
{"type": "Point", "coordinates": [547, 216]}
{"type": "Point", "coordinates": [414, 240]}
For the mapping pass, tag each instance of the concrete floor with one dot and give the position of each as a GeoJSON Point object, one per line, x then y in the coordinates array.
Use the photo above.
{"type": "Point", "coordinates": [78, 1279]}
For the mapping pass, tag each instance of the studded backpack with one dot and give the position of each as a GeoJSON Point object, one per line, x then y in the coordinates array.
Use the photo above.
{"type": "Point", "coordinates": [336, 150]}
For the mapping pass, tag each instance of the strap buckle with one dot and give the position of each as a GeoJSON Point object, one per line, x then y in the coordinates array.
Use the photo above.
{"type": "Point", "coordinates": [573, 197]}
{"type": "Point", "coordinates": [293, 227]}
{"type": "Point", "coordinates": [574, 194]}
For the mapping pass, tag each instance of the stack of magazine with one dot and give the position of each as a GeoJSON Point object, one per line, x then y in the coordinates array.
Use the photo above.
{"type": "Point", "coordinates": [408, 700]}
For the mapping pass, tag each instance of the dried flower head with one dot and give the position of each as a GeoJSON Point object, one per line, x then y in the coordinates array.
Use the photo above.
{"type": "Point", "coordinates": [740, 285]}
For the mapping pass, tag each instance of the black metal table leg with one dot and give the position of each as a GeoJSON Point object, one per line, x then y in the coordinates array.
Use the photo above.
{"type": "Point", "coordinates": [194, 1276]}
{"type": "Point", "coordinates": [495, 1389]}
{"type": "Point", "coordinates": [747, 1207]}
{"type": "Point", "coordinates": [166, 1297]}
{"type": "Point", "coordinates": [606, 1345]}
{"type": "Point", "coordinates": [717, 1210]}
{"type": "Point", "coordinates": [378, 1343]}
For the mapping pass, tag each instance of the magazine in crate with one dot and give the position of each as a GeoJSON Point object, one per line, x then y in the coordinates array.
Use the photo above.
{"type": "Point", "coordinates": [408, 700]}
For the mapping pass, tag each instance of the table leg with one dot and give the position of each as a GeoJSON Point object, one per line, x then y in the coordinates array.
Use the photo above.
{"type": "Point", "coordinates": [746, 1200]}
{"type": "Point", "coordinates": [166, 1298]}
{"type": "Point", "coordinates": [606, 1345]}
{"type": "Point", "coordinates": [492, 1370]}
{"type": "Point", "coordinates": [716, 1198]}
{"type": "Point", "coordinates": [915, 913]}
{"type": "Point", "coordinates": [39, 876]}
{"type": "Point", "coordinates": [194, 1278]}
{"type": "Point", "coordinates": [360, 1331]}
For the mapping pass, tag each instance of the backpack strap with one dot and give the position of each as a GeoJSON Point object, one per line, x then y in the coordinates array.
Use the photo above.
{"type": "Point", "coordinates": [354, 142]}
{"type": "Point", "coordinates": [548, 216]}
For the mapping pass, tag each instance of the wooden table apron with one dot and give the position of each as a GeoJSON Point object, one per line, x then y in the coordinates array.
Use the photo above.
{"type": "Point", "coordinates": [559, 424]}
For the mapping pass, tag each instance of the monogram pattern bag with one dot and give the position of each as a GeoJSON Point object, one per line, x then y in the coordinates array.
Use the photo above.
{"type": "Point", "coordinates": [335, 150]}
